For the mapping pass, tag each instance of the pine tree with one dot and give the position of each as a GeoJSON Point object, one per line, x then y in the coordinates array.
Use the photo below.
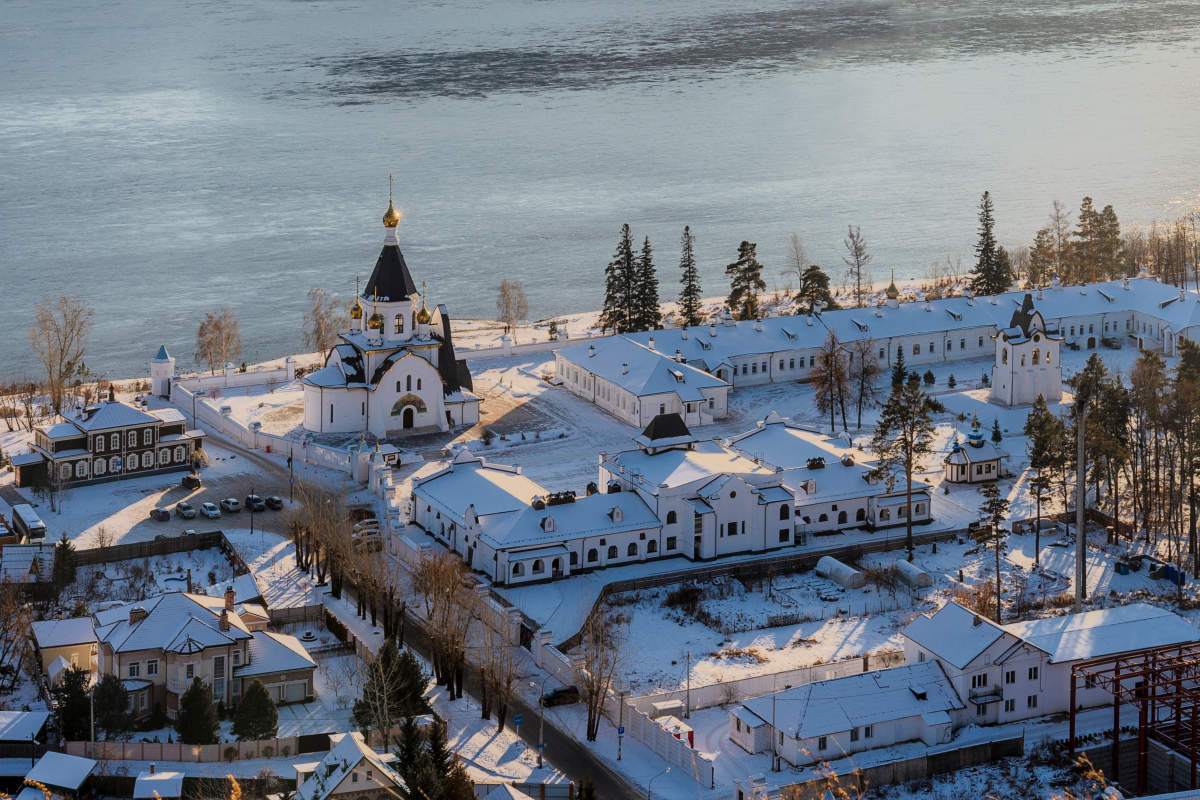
{"type": "Point", "coordinates": [814, 289]}
{"type": "Point", "coordinates": [997, 436]}
{"type": "Point", "coordinates": [438, 749]}
{"type": "Point", "coordinates": [111, 703]}
{"type": "Point", "coordinates": [587, 789]}
{"type": "Point", "coordinates": [903, 437]}
{"type": "Point", "coordinates": [64, 563]}
{"type": "Point", "coordinates": [256, 716]}
{"type": "Point", "coordinates": [993, 508]}
{"type": "Point", "coordinates": [196, 721]}
{"type": "Point", "coordinates": [457, 785]}
{"type": "Point", "coordinates": [1043, 258]}
{"type": "Point", "coordinates": [618, 286]}
{"type": "Point", "coordinates": [71, 705]}
{"type": "Point", "coordinates": [409, 748]}
{"type": "Point", "coordinates": [991, 275]}
{"type": "Point", "coordinates": [899, 371]}
{"type": "Point", "coordinates": [646, 314]}
{"type": "Point", "coordinates": [745, 281]}
{"type": "Point", "coordinates": [689, 295]}
{"type": "Point", "coordinates": [394, 689]}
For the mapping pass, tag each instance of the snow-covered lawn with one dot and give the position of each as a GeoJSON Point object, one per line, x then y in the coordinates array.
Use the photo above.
{"type": "Point", "coordinates": [271, 558]}
{"type": "Point", "coordinates": [278, 407]}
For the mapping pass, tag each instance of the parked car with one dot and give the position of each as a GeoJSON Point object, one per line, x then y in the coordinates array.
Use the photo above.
{"type": "Point", "coordinates": [255, 503]}
{"type": "Point", "coordinates": [561, 696]}
{"type": "Point", "coordinates": [274, 503]}
{"type": "Point", "coordinates": [185, 510]}
{"type": "Point", "coordinates": [160, 515]}
{"type": "Point", "coordinates": [210, 510]}
{"type": "Point", "coordinates": [231, 505]}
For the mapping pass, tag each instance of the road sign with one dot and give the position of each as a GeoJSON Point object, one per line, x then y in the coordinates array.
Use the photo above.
{"type": "Point", "coordinates": [541, 745]}
{"type": "Point", "coordinates": [518, 719]}
{"type": "Point", "coordinates": [621, 731]}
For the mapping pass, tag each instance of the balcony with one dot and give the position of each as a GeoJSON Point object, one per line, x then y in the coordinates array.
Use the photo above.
{"type": "Point", "coordinates": [986, 694]}
{"type": "Point", "coordinates": [177, 684]}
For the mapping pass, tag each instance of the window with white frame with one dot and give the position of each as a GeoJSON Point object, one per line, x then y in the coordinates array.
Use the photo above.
{"type": "Point", "coordinates": [148, 436]}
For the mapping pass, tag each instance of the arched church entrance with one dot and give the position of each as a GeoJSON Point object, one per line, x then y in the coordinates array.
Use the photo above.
{"type": "Point", "coordinates": [408, 417]}
{"type": "Point", "coordinates": [1091, 343]}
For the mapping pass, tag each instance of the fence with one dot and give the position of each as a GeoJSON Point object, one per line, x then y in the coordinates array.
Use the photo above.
{"type": "Point", "coordinates": [537, 791]}
{"type": "Point", "coordinates": [283, 616]}
{"type": "Point", "coordinates": [232, 379]}
{"type": "Point", "coordinates": [158, 546]}
{"type": "Point", "coordinates": [942, 758]}
{"type": "Point", "coordinates": [735, 691]}
{"type": "Point", "coordinates": [664, 744]}
{"type": "Point", "coordinates": [308, 452]}
{"type": "Point", "coordinates": [191, 753]}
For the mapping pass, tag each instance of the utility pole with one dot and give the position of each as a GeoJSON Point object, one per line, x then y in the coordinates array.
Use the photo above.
{"type": "Point", "coordinates": [1080, 496]}
{"type": "Point", "coordinates": [687, 704]}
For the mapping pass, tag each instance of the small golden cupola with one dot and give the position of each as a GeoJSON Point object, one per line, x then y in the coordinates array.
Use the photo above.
{"type": "Point", "coordinates": [391, 217]}
{"type": "Point", "coordinates": [423, 316]}
{"type": "Point", "coordinates": [892, 292]}
{"type": "Point", "coordinates": [375, 322]}
{"type": "Point", "coordinates": [356, 311]}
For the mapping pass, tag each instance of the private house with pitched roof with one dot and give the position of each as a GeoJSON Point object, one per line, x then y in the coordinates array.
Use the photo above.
{"type": "Point", "coordinates": [107, 441]}
{"type": "Point", "coordinates": [394, 372]}
{"type": "Point", "coordinates": [159, 645]}
{"type": "Point", "coordinates": [349, 771]}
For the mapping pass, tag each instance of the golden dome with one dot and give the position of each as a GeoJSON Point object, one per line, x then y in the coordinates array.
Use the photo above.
{"type": "Point", "coordinates": [892, 292]}
{"type": "Point", "coordinates": [356, 311]}
{"type": "Point", "coordinates": [391, 217]}
{"type": "Point", "coordinates": [423, 316]}
{"type": "Point", "coordinates": [376, 321]}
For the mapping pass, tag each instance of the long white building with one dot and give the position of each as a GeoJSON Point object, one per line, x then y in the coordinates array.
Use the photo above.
{"type": "Point", "coordinates": [1137, 312]}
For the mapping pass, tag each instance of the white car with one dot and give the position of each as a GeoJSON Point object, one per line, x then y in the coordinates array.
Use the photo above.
{"type": "Point", "coordinates": [210, 511]}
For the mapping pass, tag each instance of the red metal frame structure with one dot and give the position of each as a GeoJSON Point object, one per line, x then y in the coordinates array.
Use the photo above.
{"type": "Point", "coordinates": [1163, 684]}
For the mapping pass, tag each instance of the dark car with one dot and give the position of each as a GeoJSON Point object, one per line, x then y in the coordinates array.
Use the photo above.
{"type": "Point", "coordinates": [160, 515]}
{"type": "Point", "coordinates": [230, 505]}
{"type": "Point", "coordinates": [255, 503]}
{"type": "Point", "coordinates": [185, 510]}
{"type": "Point", "coordinates": [274, 503]}
{"type": "Point", "coordinates": [191, 481]}
{"type": "Point", "coordinates": [560, 697]}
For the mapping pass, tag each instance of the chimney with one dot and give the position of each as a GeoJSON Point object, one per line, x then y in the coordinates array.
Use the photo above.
{"type": "Point", "coordinates": [591, 350]}
{"type": "Point", "coordinates": [650, 343]}
{"type": "Point", "coordinates": [224, 623]}
{"type": "Point", "coordinates": [229, 595]}
{"type": "Point", "coordinates": [758, 325]}
{"type": "Point", "coordinates": [683, 332]}
{"type": "Point", "coordinates": [151, 767]}
{"type": "Point", "coordinates": [137, 614]}
{"type": "Point", "coordinates": [624, 367]}
{"type": "Point", "coordinates": [678, 354]}
{"type": "Point", "coordinates": [712, 329]}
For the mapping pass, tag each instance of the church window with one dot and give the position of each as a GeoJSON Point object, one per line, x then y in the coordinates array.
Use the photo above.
{"type": "Point", "coordinates": [754, 368]}
{"type": "Point", "coordinates": [399, 323]}
{"type": "Point", "coordinates": [518, 569]}
{"type": "Point", "coordinates": [362, 408]}
{"type": "Point", "coordinates": [1036, 356]}
{"type": "Point", "coordinates": [791, 363]}
{"type": "Point", "coordinates": [981, 341]}
{"type": "Point", "coordinates": [1091, 328]}
{"type": "Point", "coordinates": [632, 549]}
{"type": "Point", "coordinates": [1047, 356]}
{"type": "Point", "coordinates": [784, 512]}
{"type": "Point", "coordinates": [962, 344]}
{"type": "Point", "coordinates": [949, 345]}
{"type": "Point", "coordinates": [331, 412]}
{"type": "Point", "coordinates": [418, 384]}
{"type": "Point", "coordinates": [592, 555]}
{"type": "Point", "coordinates": [745, 368]}
{"type": "Point", "coordinates": [651, 546]}
{"type": "Point", "coordinates": [1004, 356]}
{"type": "Point", "coordinates": [612, 551]}
{"type": "Point", "coordinates": [408, 383]}
{"type": "Point", "coordinates": [1022, 359]}
{"type": "Point", "coordinates": [932, 349]}
{"type": "Point", "coordinates": [537, 566]}
{"type": "Point", "coordinates": [781, 365]}
{"type": "Point", "coordinates": [916, 349]}
{"type": "Point", "coordinates": [671, 517]}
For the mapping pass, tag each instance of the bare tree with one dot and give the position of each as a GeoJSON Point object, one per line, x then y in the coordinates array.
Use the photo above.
{"type": "Point", "coordinates": [14, 630]}
{"type": "Point", "coordinates": [856, 259]}
{"type": "Point", "coordinates": [498, 675]}
{"type": "Point", "coordinates": [58, 337]}
{"type": "Point", "coordinates": [511, 304]}
{"type": "Point", "coordinates": [797, 260]}
{"type": "Point", "coordinates": [830, 378]}
{"type": "Point", "coordinates": [601, 653]}
{"type": "Point", "coordinates": [218, 340]}
{"type": "Point", "coordinates": [864, 374]}
{"type": "Point", "coordinates": [322, 320]}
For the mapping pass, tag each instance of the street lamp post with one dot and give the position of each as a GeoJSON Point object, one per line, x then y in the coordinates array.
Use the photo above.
{"type": "Point", "coordinates": [541, 717]}
{"type": "Point", "coordinates": [652, 780]}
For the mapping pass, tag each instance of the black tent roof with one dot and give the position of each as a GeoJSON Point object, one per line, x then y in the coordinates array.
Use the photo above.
{"type": "Point", "coordinates": [390, 280]}
{"type": "Point", "coordinates": [666, 426]}
{"type": "Point", "coordinates": [1023, 315]}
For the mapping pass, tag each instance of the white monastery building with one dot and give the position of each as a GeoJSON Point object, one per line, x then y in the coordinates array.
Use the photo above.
{"type": "Point", "coordinates": [395, 372]}
{"type": "Point", "coordinates": [618, 373]}
{"type": "Point", "coordinates": [673, 495]}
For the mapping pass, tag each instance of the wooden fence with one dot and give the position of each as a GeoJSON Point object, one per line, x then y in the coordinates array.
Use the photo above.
{"type": "Point", "coordinates": [193, 753]}
{"type": "Point", "coordinates": [159, 546]}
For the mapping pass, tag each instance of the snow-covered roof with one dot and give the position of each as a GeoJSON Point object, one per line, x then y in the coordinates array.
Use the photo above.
{"type": "Point", "coordinates": [162, 354]}
{"type": "Point", "coordinates": [21, 726]}
{"type": "Point", "coordinates": [275, 652]}
{"type": "Point", "coordinates": [665, 430]}
{"type": "Point", "coordinates": [25, 459]}
{"type": "Point", "coordinates": [60, 430]}
{"type": "Point", "coordinates": [26, 563]}
{"type": "Point", "coordinates": [61, 770]}
{"type": "Point", "coordinates": [158, 784]}
{"type": "Point", "coordinates": [506, 792]}
{"type": "Point", "coordinates": [973, 454]}
{"type": "Point", "coordinates": [870, 698]}
{"type": "Point", "coordinates": [587, 516]}
{"type": "Point", "coordinates": [104, 415]}
{"type": "Point", "coordinates": [1092, 634]}
{"type": "Point", "coordinates": [176, 621]}
{"type": "Point", "coordinates": [638, 369]}
{"type": "Point", "coordinates": [470, 480]}
{"type": "Point", "coordinates": [954, 634]}
{"type": "Point", "coordinates": [168, 415]}
{"type": "Point", "coordinates": [56, 668]}
{"type": "Point", "coordinates": [348, 750]}
{"type": "Point", "coordinates": [63, 632]}
{"type": "Point", "coordinates": [677, 467]}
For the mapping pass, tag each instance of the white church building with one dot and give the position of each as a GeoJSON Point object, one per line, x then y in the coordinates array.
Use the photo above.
{"type": "Point", "coordinates": [395, 370]}
{"type": "Point", "coordinates": [1027, 359]}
